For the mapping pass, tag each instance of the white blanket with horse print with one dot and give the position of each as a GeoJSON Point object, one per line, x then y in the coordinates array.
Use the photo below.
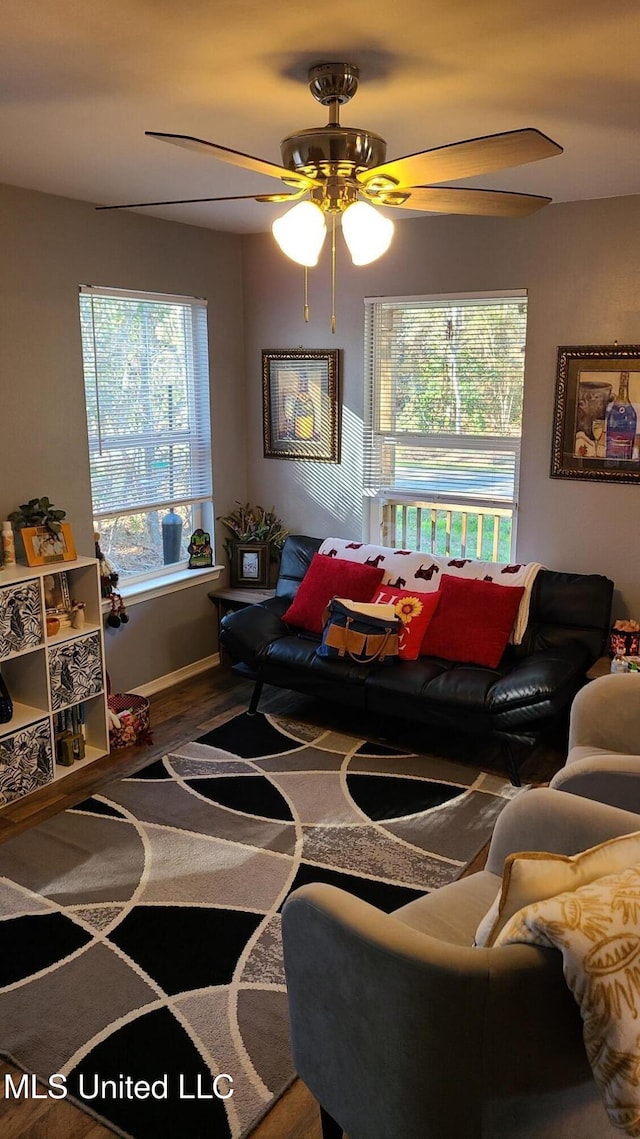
{"type": "Point", "coordinates": [410, 569]}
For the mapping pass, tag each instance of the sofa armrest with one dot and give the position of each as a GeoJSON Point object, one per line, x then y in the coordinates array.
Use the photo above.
{"type": "Point", "coordinates": [546, 820]}
{"type": "Point", "coordinates": [540, 677]}
{"type": "Point", "coordinates": [612, 779]}
{"type": "Point", "coordinates": [247, 633]}
{"type": "Point", "coordinates": [606, 714]}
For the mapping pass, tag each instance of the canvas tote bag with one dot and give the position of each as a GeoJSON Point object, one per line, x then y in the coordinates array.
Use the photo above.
{"type": "Point", "coordinates": [363, 632]}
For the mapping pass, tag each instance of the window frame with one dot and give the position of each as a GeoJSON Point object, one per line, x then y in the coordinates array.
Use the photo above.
{"type": "Point", "coordinates": [165, 578]}
{"type": "Point", "coordinates": [389, 492]}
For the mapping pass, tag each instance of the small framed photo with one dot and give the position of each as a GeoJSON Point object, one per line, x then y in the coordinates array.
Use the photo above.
{"type": "Point", "coordinates": [56, 593]}
{"type": "Point", "coordinates": [300, 405]}
{"type": "Point", "coordinates": [43, 546]}
{"type": "Point", "coordinates": [596, 429]}
{"type": "Point", "coordinates": [250, 565]}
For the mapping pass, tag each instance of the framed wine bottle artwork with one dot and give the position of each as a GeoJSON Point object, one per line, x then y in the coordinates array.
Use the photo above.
{"type": "Point", "coordinates": [300, 405]}
{"type": "Point", "coordinates": [596, 426]}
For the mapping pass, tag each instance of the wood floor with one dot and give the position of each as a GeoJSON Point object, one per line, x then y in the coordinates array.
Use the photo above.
{"type": "Point", "coordinates": [176, 714]}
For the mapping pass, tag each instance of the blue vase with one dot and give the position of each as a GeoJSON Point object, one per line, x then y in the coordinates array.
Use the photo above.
{"type": "Point", "coordinates": [171, 537]}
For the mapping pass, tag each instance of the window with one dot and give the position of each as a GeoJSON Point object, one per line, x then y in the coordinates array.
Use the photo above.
{"type": "Point", "coordinates": [147, 395]}
{"type": "Point", "coordinates": [443, 418]}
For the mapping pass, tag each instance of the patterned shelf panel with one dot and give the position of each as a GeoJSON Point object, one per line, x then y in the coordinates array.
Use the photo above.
{"type": "Point", "coordinates": [26, 761]}
{"type": "Point", "coordinates": [75, 671]}
{"type": "Point", "coordinates": [20, 617]}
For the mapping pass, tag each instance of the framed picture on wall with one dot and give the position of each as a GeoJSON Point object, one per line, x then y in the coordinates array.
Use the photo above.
{"type": "Point", "coordinates": [596, 423]}
{"type": "Point", "coordinates": [300, 405]}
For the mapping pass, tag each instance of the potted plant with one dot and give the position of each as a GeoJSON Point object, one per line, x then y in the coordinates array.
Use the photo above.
{"type": "Point", "coordinates": [38, 512]}
{"type": "Point", "coordinates": [254, 524]}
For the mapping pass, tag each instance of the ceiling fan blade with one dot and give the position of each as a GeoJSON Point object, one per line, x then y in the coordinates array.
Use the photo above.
{"type": "Point", "coordinates": [236, 158]}
{"type": "Point", "coordinates": [226, 198]}
{"type": "Point", "coordinates": [464, 159]}
{"type": "Point", "coordinates": [458, 200]}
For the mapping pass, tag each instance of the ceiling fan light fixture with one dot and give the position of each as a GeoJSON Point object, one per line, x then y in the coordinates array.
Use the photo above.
{"type": "Point", "coordinates": [367, 233]}
{"type": "Point", "coordinates": [300, 233]}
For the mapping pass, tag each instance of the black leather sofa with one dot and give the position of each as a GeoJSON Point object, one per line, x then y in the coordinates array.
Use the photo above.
{"type": "Point", "coordinates": [514, 704]}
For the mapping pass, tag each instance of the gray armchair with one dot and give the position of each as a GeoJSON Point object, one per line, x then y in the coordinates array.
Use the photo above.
{"type": "Point", "coordinates": [403, 1030]}
{"type": "Point", "coordinates": [604, 743]}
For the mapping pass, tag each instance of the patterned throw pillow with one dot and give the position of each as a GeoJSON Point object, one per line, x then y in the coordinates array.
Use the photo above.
{"type": "Point", "coordinates": [326, 578]}
{"type": "Point", "coordinates": [415, 610]}
{"type": "Point", "coordinates": [531, 876]}
{"type": "Point", "coordinates": [596, 930]}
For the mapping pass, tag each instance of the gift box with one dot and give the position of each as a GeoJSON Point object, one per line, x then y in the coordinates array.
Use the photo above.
{"type": "Point", "coordinates": [624, 643]}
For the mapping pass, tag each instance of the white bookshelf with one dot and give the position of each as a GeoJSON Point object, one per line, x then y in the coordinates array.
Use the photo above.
{"type": "Point", "coordinates": [49, 677]}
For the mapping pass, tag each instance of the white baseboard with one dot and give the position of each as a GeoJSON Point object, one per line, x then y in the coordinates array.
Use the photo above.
{"type": "Point", "coordinates": [176, 677]}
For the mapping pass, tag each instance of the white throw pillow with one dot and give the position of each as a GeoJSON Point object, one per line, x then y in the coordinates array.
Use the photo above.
{"type": "Point", "coordinates": [532, 876]}
{"type": "Point", "coordinates": [596, 929]}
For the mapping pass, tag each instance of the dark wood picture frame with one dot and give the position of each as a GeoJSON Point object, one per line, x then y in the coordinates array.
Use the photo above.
{"type": "Point", "coordinates": [249, 567]}
{"type": "Point", "coordinates": [301, 405]}
{"type": "Point", "coordinates": [588, 382]}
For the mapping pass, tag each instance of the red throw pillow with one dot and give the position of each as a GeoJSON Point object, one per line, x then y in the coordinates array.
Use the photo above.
{"type": "Point", "coordinates": [415, 610]}
{"type": "Point", "coordinates": [473, 621]}
{"type": "Point", "coordinates": [329, 577]}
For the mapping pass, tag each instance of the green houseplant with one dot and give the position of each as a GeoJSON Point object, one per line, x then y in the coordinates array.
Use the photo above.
{"type": "Point", "coordinates": [37, 512]}
{"type": "Point", "coordinates": [254, 524]}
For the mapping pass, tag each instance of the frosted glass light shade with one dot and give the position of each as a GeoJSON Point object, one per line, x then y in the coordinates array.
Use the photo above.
{"type": "Point", "coordinates": [300, 233]}
{"type": "Point", "coordinates": [367, 233]}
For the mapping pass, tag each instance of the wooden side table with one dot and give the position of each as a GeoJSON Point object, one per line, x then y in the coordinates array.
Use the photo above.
{"type": "Point", "coordinates": [600, 667]}
{"type": "Point", "coordinates": [229, 600]}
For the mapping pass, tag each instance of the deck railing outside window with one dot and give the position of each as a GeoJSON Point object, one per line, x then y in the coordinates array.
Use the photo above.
{"type": "Point", "coordinates": [449, 529]}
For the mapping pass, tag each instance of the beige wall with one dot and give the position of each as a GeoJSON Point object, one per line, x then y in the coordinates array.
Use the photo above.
{"type": "Point", "coordinates": [50, 246]}
{"type": "Point", "coordinates": [580, 264]}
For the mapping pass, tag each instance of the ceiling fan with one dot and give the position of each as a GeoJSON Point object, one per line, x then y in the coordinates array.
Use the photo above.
{"type": "Point", "coordinates": [343, 172]}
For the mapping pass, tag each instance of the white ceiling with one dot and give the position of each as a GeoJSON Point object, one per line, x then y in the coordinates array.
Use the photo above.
{"type": "Point", "coordinates": [81, 81]}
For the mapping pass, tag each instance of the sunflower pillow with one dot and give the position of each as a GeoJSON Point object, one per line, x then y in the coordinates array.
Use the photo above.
{"type": "Point", "coordinates": [415, 610]}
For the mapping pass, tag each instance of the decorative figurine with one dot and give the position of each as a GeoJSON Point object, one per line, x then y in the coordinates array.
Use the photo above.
{"type": "Point", "coordinates": [200, 552]}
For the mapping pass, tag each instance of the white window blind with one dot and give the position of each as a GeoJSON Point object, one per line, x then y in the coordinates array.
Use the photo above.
{"type": "Point", "coordinates": [146, 377]}
{"type": "Point", "coordinates": [443, 407]}
{"type": "Point", "coordinates": [147, 396]}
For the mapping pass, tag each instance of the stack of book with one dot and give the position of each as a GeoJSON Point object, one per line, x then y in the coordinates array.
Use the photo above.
{"type": "Point", "coordinates": [69, 733]}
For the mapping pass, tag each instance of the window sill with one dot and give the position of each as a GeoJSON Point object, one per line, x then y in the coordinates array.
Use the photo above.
{"type": "Point", "coordinates": [164, 583]}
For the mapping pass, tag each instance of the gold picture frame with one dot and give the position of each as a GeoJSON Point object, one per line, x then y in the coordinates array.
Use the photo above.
{"type": "Point", "coordinates": [43, 547]}
{"type": "Point", "coordinates": [592, 380]}
{"type": "Point", "coordinates": [300, 405]}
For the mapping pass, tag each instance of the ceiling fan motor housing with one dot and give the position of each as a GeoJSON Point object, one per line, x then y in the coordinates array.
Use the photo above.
{"type": "Point", "coordinates": [332, 150]}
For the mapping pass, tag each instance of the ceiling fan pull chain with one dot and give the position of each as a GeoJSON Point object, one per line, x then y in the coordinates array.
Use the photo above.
{"type": "Point", "coordinates": [306, 294]}
{"type": "Point", "coordinates": [333, 273]}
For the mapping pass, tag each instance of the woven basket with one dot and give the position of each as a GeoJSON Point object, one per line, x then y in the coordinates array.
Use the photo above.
{"type": "Point", "coordinates": [133, 712]}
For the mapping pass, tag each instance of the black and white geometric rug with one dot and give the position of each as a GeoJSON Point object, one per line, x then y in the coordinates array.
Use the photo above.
{"type": "Point", "coordinates": [140, 931]}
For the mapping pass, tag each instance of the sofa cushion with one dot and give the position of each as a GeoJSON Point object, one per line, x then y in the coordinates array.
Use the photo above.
{"type": "Point", "coordinates": [452, 912]}
{"type": "Point", "coordinates": [326, 578]}
{"type": "Point", "coordinates": [533, 876]}
{"type": "Point", "coordinates": [415, 610]}
{"type": "Point", "coordinates": [472, 622]}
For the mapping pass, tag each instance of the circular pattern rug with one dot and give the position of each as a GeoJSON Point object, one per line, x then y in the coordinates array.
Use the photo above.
{"type": "Point", "coordinates": [140, 942]}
